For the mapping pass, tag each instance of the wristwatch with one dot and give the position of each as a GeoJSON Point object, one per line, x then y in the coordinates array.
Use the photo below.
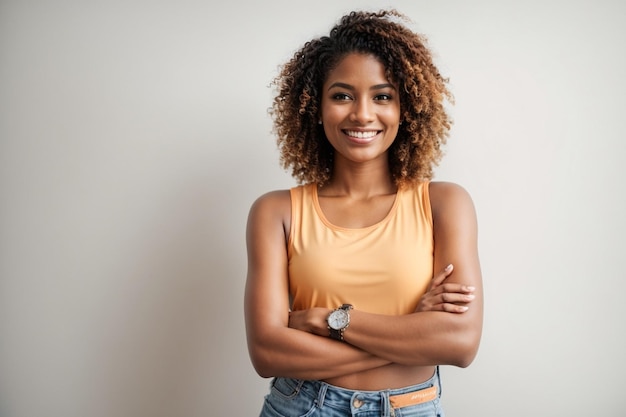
{"type": "Point", "coordinates": [338, 320]}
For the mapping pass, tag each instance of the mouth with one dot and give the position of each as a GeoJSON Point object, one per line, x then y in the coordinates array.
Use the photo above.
{"type": "Point", "coordinates": [360, 135]}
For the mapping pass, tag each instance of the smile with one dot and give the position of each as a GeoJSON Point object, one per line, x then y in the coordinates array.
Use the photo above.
{"type": "Point", "coordinates": [360, 134]}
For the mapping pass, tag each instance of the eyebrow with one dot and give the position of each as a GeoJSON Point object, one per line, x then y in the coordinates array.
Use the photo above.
{"type": "Point", "coordinates": [349, 87]}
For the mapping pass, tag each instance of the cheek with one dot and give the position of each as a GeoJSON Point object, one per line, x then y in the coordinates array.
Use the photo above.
{"type": "Point", "coordinates": [393, 134]}
{"type": "Point", "coordinates": [329, 130]}
{"type": "Point", "coordinates": [334, 114]}
{"type": "Point", "coordinates": [393, 122]}
{"type": "Point", "coordinates": [394, 114]}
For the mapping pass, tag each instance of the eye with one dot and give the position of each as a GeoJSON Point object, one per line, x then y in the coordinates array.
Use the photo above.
{"type": "Point", "coordinates": [383, 97]}
{"type": "Point", "coordinates": [341, 97]}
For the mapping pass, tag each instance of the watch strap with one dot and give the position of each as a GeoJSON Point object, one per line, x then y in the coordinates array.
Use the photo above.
{"type": "Point", "coordinates": [336, 334]}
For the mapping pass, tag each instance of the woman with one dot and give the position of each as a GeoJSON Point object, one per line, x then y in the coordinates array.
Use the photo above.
{"type": "Point", "coordinates": [366, 278]}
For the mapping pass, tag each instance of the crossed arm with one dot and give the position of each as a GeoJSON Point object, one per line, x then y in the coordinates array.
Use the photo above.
{"type": "Point", "coordinates": [444, 329]}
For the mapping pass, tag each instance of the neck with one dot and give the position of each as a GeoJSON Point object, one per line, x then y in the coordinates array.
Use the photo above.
{"type": "Point", "coordinates": [362, 180]}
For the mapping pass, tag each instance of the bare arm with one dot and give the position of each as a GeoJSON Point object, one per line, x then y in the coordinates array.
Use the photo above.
{"type": "Point", "coordinates": [275, 349]}
{"type": "Point", "coordinates": [430, 337]}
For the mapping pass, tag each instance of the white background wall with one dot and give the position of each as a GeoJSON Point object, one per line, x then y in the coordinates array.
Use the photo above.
{"type": "Point", "coordinates": [134, 137]}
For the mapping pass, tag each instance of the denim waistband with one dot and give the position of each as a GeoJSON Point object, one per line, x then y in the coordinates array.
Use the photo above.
{"type": "Point", "coordinates": [352, 401]}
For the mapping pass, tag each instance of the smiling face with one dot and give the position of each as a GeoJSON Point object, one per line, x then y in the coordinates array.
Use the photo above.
{"type": "Point", "coordinates": [360, 109]}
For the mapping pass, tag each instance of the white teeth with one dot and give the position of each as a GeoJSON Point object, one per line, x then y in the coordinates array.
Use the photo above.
{"type": "Point", "coordinates": [361, 135]}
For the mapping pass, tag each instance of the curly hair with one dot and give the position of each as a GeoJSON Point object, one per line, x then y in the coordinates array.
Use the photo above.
{"type": "Point", "coordinates": [408, 63]}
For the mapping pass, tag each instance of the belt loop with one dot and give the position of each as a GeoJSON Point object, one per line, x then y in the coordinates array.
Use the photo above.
{"type": "Point", "coordinates": [321, 395]}
{"type": "Point", "coordinates": [385, 404]}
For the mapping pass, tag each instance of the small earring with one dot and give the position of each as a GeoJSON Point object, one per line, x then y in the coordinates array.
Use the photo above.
{"type": "Point", "coordinates": [400, 122]}
{"type": "Point", "coordinates": [319, 122]}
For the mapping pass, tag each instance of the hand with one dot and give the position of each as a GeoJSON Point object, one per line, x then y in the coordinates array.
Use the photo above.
{"type": "Point", "coordinates": [448, 297]}
{"type": "Point", "coordinates": [312, 320]}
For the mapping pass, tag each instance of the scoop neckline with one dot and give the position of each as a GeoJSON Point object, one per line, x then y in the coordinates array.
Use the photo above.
{"type": "Point", "coordinates": [329, 224]}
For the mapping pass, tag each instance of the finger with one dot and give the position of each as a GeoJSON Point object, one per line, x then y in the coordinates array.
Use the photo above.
{"type": "Point", "coordinates": [453, 287]}
{"type": "Point", "coordinates": [441, 276]}
{"type": "Point", "coordinates": [453, 308]}
{"type": "Point", "coordinates": [456, 298]}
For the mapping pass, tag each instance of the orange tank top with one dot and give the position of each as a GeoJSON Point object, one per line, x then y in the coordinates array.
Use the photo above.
{"type": "Point", "coordinates": [383, 268]}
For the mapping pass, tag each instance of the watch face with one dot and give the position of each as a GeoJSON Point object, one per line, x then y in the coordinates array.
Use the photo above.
{"type": "Point", "coordinates": [338, 319]}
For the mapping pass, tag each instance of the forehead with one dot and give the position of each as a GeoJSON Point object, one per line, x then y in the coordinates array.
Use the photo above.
{"type": "Point", "coordinates": [356, 67]}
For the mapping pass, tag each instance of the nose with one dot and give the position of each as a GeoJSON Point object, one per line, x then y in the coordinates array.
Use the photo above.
{"type": "Point", "coordinates": [362, 112]}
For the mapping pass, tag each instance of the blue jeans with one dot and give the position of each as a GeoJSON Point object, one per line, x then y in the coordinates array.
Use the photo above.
{"type": "Point", "coordinates": [290, 397]}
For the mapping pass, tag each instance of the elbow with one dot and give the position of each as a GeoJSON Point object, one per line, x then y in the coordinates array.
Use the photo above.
{"type": "Point", "coordinates": [263, 372]}
{"type": "Point", "coordinates": [463, 361]}
{"type": "Point", "coordinates": [466, 341]}
{"type": "Point", "coordinates": [262, 364]}
{"type": "Point", "coordinates": [262, 369]}
{"type": "Point", "coordinates": [266, 353]}
{"type": "Point", "coordinates": [264, 359]}
{"type": "Point", "coordinates": [466, 351]}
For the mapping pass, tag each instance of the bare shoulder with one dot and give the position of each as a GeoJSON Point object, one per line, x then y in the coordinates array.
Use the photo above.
{"type": "Point", "coordinates": [272, 200]}
{"type": "Point", "coordinates": [448, 198]}
{"type": "Point", "coordinates": [271, 208]}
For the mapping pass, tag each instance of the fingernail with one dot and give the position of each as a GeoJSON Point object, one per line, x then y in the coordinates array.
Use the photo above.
{"type": "Point", "coordinates": [449, 268]}
{"type": "Point", "coordinates": [471, 289]}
